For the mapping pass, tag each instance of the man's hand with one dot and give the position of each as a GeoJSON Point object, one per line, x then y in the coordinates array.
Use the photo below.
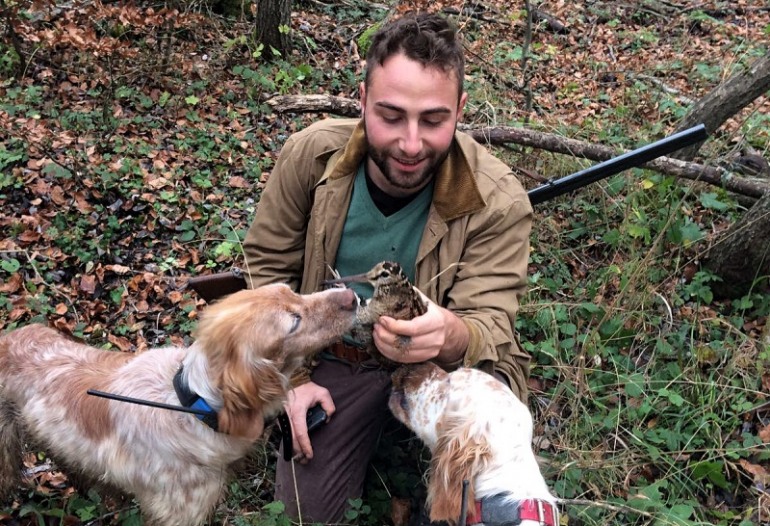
{"type": "Point", "coordinates": [438, 334]}
{"type": "Point", "coordinates": [300, 400]}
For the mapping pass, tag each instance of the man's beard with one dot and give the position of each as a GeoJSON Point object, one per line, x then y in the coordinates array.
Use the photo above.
{"type": "Point", "coordinates": [403, 181]}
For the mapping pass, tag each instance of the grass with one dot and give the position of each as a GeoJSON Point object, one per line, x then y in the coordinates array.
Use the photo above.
{"type": "Point", "coordinates": [123, 175]}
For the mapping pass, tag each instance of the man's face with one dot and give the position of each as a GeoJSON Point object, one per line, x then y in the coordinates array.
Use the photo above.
{"type": "Point", "coordinates": [410, 114]}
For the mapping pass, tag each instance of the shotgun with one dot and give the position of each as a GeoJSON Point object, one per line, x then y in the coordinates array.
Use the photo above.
{"type": "Point", "coordinates": [613, 166]}
{"type": "Point", "coordinates": [213, 286]}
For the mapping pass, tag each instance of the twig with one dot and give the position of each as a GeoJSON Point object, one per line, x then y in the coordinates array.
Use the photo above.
{"type": "Point", "coordinates": [382, 481]}
{"type": "Point", "coordinates": [296, 492]}
{"type": "Point", "coordinates": [665, 88]}
{"type": "Point", "coordinates": [604, 505]}
{"type": "Point", "coordinates": [445, 270]}
{"type": "Point", "coordinates": [98, 520]}
{"type": "Point", "coordinates": [670, 317]}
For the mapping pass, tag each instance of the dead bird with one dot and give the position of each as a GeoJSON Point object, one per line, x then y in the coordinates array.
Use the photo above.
{"type": "Point", "coordinates": [393, 296]}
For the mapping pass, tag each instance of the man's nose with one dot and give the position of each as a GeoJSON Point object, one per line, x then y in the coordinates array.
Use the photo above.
{"type": "Point", "coordinates": [411, 142]}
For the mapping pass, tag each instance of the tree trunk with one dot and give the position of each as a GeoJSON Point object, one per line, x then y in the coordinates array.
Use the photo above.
{"type": "Point", "coordinates": [727, 99]}
{"type": "Point", "coordinates": [271, 21]}
{"type": "Point", "coordinates": [10, 15]}
{"type": "Point", "coordinates": [742, 254]}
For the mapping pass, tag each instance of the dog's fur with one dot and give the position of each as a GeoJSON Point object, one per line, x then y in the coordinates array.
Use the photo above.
{"type": "Point", "coordinates": [476, 430]}
{"type": "Point", "coordinates": [173, 463]}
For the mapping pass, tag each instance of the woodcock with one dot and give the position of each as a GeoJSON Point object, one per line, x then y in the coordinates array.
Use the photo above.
{"type": "Point", "coordinates": [393, 296]}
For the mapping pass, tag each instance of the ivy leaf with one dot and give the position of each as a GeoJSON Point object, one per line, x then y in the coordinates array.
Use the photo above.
{"type": "Point", "coordinates": [638, 231]}
{"type": "Point", "coordinates": [634, 385]}
{"type": "Point", "coordinates": [690, 232]}
{"type": "Point", "coordinates": [11, 266]}
{"type": "Point", "coordinates": [713, 471]}
{"type": "Point", "coordinates": [187, 235]}
{"type": "Point", "coordinates": [672, 397]}
{"type": "Point", "coordinates": [711, 201]}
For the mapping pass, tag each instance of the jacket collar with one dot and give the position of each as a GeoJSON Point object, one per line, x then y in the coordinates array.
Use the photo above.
{"type": "Point", "coordinates": [455, 192]}
{"type": "Point", "coordinates": [493, 511]}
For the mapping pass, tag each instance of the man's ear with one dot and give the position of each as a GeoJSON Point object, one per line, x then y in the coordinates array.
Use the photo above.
{"type": "Point", "coordinates": [461, 106]}
{"type": "Point", "coordinates": [362, 96]}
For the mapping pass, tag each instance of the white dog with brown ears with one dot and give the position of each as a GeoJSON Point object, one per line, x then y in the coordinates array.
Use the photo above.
{"type": "Point", "coordinates": [477, 430]}
{"type": "Point", "coordinates": [176, 464]}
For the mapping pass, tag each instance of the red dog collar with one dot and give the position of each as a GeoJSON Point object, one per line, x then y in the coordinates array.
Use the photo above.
{"type": "Point", "coordinates": [537, 510]}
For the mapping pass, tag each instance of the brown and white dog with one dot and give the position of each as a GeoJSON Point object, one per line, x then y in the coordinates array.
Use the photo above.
{"type": "Point", "coordinates": [477, 430]}
{"type": "Point", "coordinates": [175, 464]}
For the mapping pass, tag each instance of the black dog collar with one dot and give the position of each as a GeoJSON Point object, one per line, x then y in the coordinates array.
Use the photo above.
{"type": "Point", "coordinates": [192, 400]}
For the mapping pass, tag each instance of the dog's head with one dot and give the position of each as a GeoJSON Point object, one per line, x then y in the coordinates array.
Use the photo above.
{"type": "Point", "coordinates": [253, 339]}
{"type": "Point", "coordinates": [418, 399]}
{"type": "Point", "coordinates": [444, 411]}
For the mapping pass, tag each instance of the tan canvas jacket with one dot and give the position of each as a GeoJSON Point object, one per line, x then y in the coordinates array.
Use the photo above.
{"type": "Point", "coordinates": [474, 250]}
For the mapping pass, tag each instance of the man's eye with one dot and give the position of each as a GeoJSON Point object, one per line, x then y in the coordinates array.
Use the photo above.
{"type": "Point", "coordinates": [391, 119]}
{"type": "Point", "coordinates": [433, 124]}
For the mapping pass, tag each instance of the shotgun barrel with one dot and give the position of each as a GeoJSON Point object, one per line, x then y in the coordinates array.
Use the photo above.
{"type": "Point", "coordinates": [617, 164]}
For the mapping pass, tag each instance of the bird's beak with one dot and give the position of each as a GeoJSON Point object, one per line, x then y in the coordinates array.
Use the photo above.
{"type": "Point", "coordinates": [356, 278]}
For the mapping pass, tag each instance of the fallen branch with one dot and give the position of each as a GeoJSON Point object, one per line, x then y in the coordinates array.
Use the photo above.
{"type": "Point", "coordinates": [500, 135]}
{"type": "Point", "coordinates": [618, 508]}
{"type": "Point", "coordinates": [553, 23]}
{"type": "Point", "coordinates": [597, 152]}
{"type": "Point", "coordinates": [315, 104]}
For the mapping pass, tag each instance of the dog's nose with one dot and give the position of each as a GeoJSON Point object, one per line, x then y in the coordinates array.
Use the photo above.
{"type": "Point", "coordinates": [348, 299]}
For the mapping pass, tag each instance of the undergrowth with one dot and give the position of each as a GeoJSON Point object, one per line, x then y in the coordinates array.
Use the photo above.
{"type": "Point", "coordinates": [647, 388]}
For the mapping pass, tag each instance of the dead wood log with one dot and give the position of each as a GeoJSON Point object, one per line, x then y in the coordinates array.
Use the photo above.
{"type": "Point", "coordinates": [341, 106]}
{"type": "Point", "coordinates": [500, 135]}
{"type": "Point", "coordinates": [553, 23]}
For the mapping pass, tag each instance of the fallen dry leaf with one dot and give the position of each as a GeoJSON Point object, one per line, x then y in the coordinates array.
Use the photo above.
{"type": "Point", "coordinates": [764, 434]}
{"type": "Point", "coordinates": [88, 284]}
{"type": "Point", "coordinates": [760, 474]}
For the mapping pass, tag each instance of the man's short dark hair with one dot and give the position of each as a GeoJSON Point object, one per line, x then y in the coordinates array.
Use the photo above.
{"type": "Point", "coordinates": [429, 39]}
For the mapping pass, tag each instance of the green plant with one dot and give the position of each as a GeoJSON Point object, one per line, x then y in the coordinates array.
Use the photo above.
{"type": "Point", "coordinates": [12, 152]}
{"type": "Point", "coordinates": [9, 61]}
{"type": "Point", "coordinates": [698, 289]}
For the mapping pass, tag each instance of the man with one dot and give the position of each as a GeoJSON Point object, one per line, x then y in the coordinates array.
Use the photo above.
{"type": "Point", "coordinates": [399, 184]}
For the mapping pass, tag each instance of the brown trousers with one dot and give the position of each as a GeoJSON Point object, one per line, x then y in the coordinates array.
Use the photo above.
{"type": "Point", "coordinates": [342, 448]}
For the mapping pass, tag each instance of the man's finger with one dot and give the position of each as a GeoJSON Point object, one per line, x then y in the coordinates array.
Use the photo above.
{"type": "Point", "coordinates": [304, 447]}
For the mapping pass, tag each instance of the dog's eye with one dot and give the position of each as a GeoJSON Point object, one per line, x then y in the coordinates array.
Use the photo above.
{"type": "Point", "coordinates": [296, 319]}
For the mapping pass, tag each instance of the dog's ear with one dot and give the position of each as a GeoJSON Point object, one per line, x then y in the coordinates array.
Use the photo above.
{"type": "Point", "coordinates": [247, 390]}
{"type": "Point", "coordinates": [459, 455]}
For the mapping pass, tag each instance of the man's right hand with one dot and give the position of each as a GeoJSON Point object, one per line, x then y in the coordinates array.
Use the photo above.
{"type": "Point", "coordinates": [300, 400]}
